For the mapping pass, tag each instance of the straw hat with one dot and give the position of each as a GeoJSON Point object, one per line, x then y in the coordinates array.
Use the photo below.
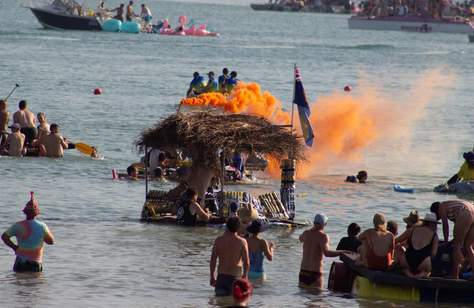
{"type": "Point", "coordinates": [247, 213]}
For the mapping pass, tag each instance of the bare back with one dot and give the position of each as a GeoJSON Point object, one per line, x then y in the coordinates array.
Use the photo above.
{"type": "Point", "coordinates": [25, 118]}
{"type": "Point", "coordinates": [421, 237]}
{"type": "Point", "coordinates": [381, 242]}
{"type": "Point", "coordinates": [229, 249]}
{"type": "Point", "coordinates": [314, 242]}
{"type": "Point", "coordinates": [4, 117]}
{"type": "Point", "coordinates": [15, 144]}
{"type": "Point", "coordinates": [53, 145]}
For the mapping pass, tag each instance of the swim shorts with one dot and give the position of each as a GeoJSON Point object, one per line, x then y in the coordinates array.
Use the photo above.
{"type": "Point", "coordinates": [309, 278]}
{"type": "Point", "coordinates": [224, 284]}
{"type": "Point", "coordinates": [27, 266]}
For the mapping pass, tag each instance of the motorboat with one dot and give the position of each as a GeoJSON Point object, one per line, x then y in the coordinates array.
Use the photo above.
{"type": "Point", "coordinates": [338, 9]}
{"type": "Point", "coordinates": [66, 15]}
{"type": "Point", "coordinates": [411, 23]}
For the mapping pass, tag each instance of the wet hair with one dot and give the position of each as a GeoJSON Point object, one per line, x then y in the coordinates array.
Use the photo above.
{"type": "Point", "coordinates": [233, 224]}
{"type": "Point", "coordinates": [189, 194]}
{"type": "Point", "coordinates": [353, 229]}
{"type": "Point", "coordinates": [22, 104]}
{"type": "Point", "coordinates": [225, 71]}
{"type": "Point", "coordinates": [392, 227]}
{"type": "Point", "coordinates": [195, 74]}
{"type": "Point", "coordinates": [53, 126]}
{"type": "Point", "coordinates": [233, 74]}
{"type": "Point", "coordinates": [130, 169]}
{"type": "Point", "coordinates": [434, 208]}
{"type": "Point", "coordinates": [362, 174]}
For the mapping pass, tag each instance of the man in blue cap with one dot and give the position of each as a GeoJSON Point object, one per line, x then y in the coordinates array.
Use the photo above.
{"type": "Point", "coordinates": [315, 246]}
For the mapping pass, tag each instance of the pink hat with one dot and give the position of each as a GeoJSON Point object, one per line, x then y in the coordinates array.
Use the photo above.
{"type": "Point", "coordinates": [32, 207]}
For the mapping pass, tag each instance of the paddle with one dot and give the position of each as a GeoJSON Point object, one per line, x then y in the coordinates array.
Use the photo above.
{"type": "Point", "coordinates": [11, 92]}
{"type": "Point", "coordinates": [85, 148]}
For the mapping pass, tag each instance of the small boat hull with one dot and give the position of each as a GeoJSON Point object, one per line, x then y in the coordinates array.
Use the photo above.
{"type": "Point", "coordinates": [310, 9]}
{"type": "Point", "coordinates": [409, 24]}
{"type": "Point", "coordinates": [50, 19]}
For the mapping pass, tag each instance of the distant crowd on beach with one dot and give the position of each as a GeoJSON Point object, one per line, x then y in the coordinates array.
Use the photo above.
{"type": "Point", "coordinates": [223, 84]}
{"type": "Point", "coordinates": [29, 135]}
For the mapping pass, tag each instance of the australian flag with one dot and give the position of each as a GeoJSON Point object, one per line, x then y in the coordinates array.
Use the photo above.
{"type": "Point", "coordinates": [303, 109]}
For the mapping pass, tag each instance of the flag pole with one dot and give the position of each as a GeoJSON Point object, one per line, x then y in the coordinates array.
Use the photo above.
{"type": "Point", "coordinates": [293, 101]}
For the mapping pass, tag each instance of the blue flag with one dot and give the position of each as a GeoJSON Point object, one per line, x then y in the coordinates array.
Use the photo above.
{"type": "Point", "coordinates": [303, 109]}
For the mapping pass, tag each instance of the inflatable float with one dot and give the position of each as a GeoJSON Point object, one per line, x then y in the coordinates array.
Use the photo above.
{"type": "Point", "coordinates": [401, 189]}
{"type": "Point", "coordinates": [165, 29]}
{"type": "Point", "coordinates": [456, 188]}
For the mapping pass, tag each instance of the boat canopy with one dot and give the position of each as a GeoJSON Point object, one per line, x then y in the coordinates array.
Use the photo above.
{"type": "Point", "coordinates": [66, 6]}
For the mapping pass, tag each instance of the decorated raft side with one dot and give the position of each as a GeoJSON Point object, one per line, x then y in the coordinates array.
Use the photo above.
{"type": "Point", "coordinates": [207, 137]}
{"type": "Point", "coordinates": [346, 276]}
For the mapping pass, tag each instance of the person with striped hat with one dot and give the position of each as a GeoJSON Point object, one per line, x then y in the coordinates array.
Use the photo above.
{"type": "Point", "coordinates": [30, 235]}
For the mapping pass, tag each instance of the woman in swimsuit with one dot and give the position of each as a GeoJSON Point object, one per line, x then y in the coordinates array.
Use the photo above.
{"type": "Point", "coordinates": [258, 250]}
{"type": "Point", "coordinates": [422, 246]}
{"type": "Point", "coordinates": [462, 214]}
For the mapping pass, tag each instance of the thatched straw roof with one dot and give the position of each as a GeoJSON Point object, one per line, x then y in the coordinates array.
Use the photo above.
{"type": "Point", "coordinates": [202, 134]}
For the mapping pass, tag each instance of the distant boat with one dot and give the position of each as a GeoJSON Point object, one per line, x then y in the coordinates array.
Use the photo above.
{"type": "Point", "coordinates": [64, 14]}
{"type": "Point", "coordinates": [410, 24]}
{"type": "Point", "coordinates": [336, 8]}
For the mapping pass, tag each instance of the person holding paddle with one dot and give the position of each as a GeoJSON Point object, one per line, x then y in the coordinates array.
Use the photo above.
{"type": "Point", "coordinates": [53, 144]}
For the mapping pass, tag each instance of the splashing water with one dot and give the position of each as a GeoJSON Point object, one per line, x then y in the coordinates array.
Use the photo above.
{"type": "Point", "coordinates": [344, 124]}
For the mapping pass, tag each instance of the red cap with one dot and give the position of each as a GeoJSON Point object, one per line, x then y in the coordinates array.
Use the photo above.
{"type": "Point", "coordinates": [32, 207]}
{"type": "Point", "coordinates": [241, 289]}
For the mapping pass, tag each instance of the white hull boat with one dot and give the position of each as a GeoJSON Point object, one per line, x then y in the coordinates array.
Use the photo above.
{"type": "Point", "coordinates": [410, 24]}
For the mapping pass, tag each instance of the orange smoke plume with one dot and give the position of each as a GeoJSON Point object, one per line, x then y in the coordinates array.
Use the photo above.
{"type": "Point", "coordinates": [245, 98]}
{"type": "Point", "coordinates": [344, 124]}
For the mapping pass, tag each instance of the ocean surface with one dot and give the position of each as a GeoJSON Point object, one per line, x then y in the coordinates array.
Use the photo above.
{"type": "Point", "coordinates": [104, 256]}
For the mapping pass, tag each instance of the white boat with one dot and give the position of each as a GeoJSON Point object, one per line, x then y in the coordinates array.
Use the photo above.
{"type": "Point", "coordinates": [411, 24]}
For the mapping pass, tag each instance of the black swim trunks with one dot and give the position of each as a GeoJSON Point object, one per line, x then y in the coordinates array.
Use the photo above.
{"type": "Point", "coordinates": [224, 284]}
{"type": "Point", "coordinates": [27, 266]}
{"type": "Point", "coordinates": [309, 278]}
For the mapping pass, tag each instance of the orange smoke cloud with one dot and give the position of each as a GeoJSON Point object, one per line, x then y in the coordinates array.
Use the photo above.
{"type": "Point", "coordinates": [344, 124]}
{"type": "Point", "coordinates": [245, 98]}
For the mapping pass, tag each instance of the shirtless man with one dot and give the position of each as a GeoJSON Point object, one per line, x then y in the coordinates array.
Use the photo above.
{"type": "Point", "coordinates": [315, 246]}
{"type": "Point", "coordinates": [232, 252]}
{"type": "Point", "coordinates": [27, 121]}
{"type": "Point", "coordinates": [53, 144]}
{"type": "Point", "coordinates": [4, 117]}
{"type": "Point", "coordinates": [130, 13]}
{"type": "Point", "coordinates": [15, 142]}
{"type": "Point", "coordinates": [43, 127]}
{"type": "Point", "coordinates": [462, 214]}
{"type": "Point", "coordinates": [378, 245]}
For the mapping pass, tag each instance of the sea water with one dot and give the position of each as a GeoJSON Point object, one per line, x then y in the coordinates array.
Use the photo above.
{"type": "Point", "coordinates": [103, 255]}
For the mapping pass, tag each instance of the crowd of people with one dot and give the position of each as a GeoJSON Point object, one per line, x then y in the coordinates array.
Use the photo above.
{"type": "Point", "coordinates": [30, 135]}
{"type": "Point", "coordinates": [425, 8]}
{"type": "Point", "coordinates": [223, 84]}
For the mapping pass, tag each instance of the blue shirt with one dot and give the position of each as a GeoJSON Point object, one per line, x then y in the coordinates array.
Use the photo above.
{"type": "Point", "coordinates": [197, 82]}
{"type": "Point", "coordinates": [222, 81]}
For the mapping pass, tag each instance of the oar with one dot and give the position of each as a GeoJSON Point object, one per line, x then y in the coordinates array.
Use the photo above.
{"type": "Point", "coordinates": [11, 92]}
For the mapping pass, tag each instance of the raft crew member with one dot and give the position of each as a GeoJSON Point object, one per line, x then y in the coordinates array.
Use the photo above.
{"type": "Point", "coordinates": [392, 227]}
{"type": "Point", "coordinates": [30, 235]}
{"type": "Point", "coordinates": [241, 292]}
{"type": "Point", "coordinates": [462, 214]}
{"type": "Point", "coordinates": [376, 251]}
{"type": "Point", "coordinates": [130, 13]}
{"type": "Point", "coordinates": [145, 15]}
{"type": "Point", "coordinates": [247, 214]}
{"type": "Point", "coordinates": [102, 12]}
{"type": "Point", "coordinates": [350, 242]}
{"type": "Point", "coordinates": [231, 82]}
{"type": "Point", "coordinates": [422, 246]}
{"type": "Point", "coordinates": [27, 121]}
{"type": "Point", "coordinates": [119, 10]}
{"type": "Point", "coordinates": [212, 85]}
{"type": "Point", "coordinates": [466, 172]}
{"type": "Point", "coordinates": [259, 248]}
{"type": "Point", "coordinates": [43, 127]}
{"type": "Point", "coordinates": [315, 246]}
{"type": "Point", "coordinates": [222, 80]}
{"type": "Point", "coordinates": [15, 142]}
{"type": "Point", "coordinates": [413, 219]}
{"type": "Point", "coordinates": [196, 86]}
{"type": "Point", "coordinates": [53, 144]}
{"type": "Point", "coordinates": [189, 212]}
{"type": "Point", "coordinates": [4, 118]}
{"type": "Point", "coordinates": [231, 251]}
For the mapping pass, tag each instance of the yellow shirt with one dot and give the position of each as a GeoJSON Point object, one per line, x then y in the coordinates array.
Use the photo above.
{"type": "Point", "coordinates": [466, 173]}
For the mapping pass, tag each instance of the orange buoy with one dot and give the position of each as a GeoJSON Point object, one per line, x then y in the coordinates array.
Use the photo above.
{"type": "Point", "coordinates": [97, 91]}
{"type": "Point", "coordinates": [348, 88]}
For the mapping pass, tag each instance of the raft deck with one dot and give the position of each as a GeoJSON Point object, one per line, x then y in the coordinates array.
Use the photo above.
{"type": "Point", "coordinates": [432, 289]}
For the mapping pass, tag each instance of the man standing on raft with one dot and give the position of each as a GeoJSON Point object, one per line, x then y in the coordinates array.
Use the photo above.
{"type": "Point", "coordinates": [30, 235]}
